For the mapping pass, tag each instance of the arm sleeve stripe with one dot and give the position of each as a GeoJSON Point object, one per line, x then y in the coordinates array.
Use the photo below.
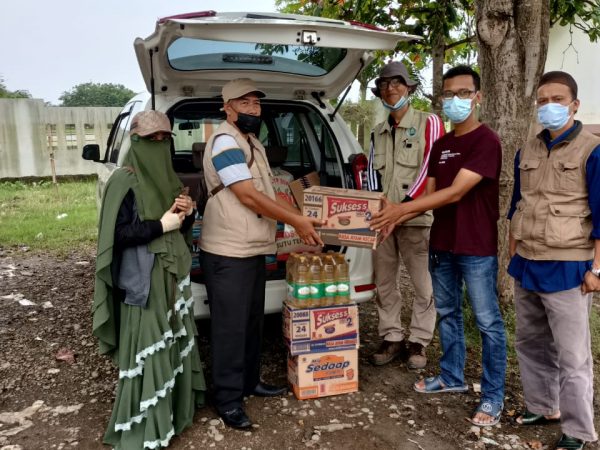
{"type": "Point", "coordinates": [228, 157]}
{"type": "Point", "coordinates": [433, 131]}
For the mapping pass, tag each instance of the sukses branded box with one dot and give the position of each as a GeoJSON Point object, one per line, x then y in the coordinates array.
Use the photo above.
{"type": "Point", "coordinates": [348, 213]}
{"type": "Point", "coordinates": [320, 329]}
{"type": "Point", "coordinates": [321, 374]}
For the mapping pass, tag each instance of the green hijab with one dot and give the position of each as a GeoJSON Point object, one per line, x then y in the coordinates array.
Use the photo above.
{"type": "Point", "coordinates": [157, 183]}
{"type": "Point", "coordinates": [149, 174]}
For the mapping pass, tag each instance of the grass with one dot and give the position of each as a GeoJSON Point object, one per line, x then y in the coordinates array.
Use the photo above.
{"type": "Point", "coordinates": [473, 337]}
{"type": "Point", "coordinates": [42, 216]}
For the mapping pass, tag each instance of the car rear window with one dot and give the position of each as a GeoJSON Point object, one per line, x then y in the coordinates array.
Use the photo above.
{"type": "Point", "coordinates": [187, 54]}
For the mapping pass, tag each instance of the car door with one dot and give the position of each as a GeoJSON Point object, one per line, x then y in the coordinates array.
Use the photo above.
{"type": "Point", "coordinates": [118, 139]}
{"type": "Point", "coordinates": [294, 56]}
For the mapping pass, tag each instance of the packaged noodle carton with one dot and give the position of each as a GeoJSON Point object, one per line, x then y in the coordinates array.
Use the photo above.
{"type": "Point", "coordinates": [298, 186]}
{"type": "Point", "coordinates": [348, 213]}
{"type": "Point", "coordinates": [320, 329]}
{"type": "Point", "coordinates": [316, 375]}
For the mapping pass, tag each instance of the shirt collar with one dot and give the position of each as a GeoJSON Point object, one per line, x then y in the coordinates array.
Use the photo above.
{"type": "Point", "coordinates": [405, 122]}
{"type": "Point", "coordinates": [566, 137]}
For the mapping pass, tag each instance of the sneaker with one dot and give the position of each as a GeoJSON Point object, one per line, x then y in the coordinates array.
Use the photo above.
{"type": "Point", "coordinates": [416, 356]}
{"type": "Point", "coordinates": [388, 351]}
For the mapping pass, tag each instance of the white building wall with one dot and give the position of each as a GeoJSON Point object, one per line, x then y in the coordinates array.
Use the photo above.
{"type": "Point", "coordinates": [29, 130]}
{"type": "Point", "coordinates": [582, 61]}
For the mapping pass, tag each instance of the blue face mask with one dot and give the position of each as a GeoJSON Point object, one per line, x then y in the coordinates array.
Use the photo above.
{"type": "Point", "coordinates": [457, 109]}
{"type": "Point", "coordinates": [553, 116]}
{"type": "Point", "coordinates": [399, 104]}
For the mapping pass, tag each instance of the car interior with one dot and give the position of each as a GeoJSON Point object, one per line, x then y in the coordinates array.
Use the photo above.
{"type": "Point", "coordinates": [295, 136]}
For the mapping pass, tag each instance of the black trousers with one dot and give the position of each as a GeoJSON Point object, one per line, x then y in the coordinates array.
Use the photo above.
{"type": "Point", "coordinates": [236, 295]}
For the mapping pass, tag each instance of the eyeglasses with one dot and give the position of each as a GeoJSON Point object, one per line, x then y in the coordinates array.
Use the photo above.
{"type": "Point", "coordinates": [394, 83]}
{"type": "Point", "coordinates": [461, 93]}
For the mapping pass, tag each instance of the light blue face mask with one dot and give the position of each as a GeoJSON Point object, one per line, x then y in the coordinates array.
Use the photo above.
{"type": "Point", "coordinates": [553, 116]}
{"type": "Point", "coordinates": [399, 104]}
{"type": "Point", "coordinates": [457, 109]}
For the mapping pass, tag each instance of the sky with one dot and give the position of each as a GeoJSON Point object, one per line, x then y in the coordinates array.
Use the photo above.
{"type": "Point", "coordinates": [48, 47]}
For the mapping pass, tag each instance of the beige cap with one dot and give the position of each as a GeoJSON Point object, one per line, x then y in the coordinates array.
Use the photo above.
{"type": "Point", "coordinates": [238, 88]}
{"type": "Point", "coordinates": [146, 123]}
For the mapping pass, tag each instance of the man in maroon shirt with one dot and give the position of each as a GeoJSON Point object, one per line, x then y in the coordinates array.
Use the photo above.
{"type": "Point", "coordinates": [462, 190]}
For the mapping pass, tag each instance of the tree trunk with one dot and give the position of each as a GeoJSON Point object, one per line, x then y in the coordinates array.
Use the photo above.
{"type": "Point", "coordinates": [513, 43]}
{"type": "Point", "coordinates": [438, 52]}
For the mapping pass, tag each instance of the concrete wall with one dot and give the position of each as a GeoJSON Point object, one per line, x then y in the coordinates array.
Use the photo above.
{"type": "Point", "coordinates": [30, 131]}
{"type": "Point", "coordinates": [582, 61]}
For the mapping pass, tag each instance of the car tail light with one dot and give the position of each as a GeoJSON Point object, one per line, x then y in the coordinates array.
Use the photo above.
{"type": "Point", "coordinates": [364, 287]}
{"type": "Point", "coordinates": [368, 26]}
{"type": "Point", "coordinates": [359, 171]}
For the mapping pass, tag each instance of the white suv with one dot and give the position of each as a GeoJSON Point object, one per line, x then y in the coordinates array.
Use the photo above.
{"type": "Point", "coordinates": [300, 62]}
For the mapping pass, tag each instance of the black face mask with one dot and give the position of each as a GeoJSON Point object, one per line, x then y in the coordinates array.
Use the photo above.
{"type": "Point", "coordinates": [247, 123]}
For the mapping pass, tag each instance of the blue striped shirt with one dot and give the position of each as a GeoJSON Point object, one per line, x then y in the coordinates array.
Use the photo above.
{"type": "Point", "coordinates": [229, 160]}
{"type": "Point", "coordinates": [554, 276]}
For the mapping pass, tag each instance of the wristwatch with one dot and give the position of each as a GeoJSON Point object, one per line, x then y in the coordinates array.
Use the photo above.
{"type": "Point", "coordinates": [595, 271]}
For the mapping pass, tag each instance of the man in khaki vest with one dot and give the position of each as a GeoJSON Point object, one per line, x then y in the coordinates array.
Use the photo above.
{"type": "Point", "coordinates": [398, 163]}
{"type": "Point", "coordinates": [555, 248]}
{"type": "Point", "coordinates": [238, 231]}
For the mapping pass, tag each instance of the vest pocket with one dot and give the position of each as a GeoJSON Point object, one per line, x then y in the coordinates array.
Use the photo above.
{"type": "Point", "coordinates": [527, 172]}
{"type": "Point", "coordinates": [567, 176]}
{"type": "Point", "coordinates": [516, 224]}
{"type": "Point", "coordinates": [568, 225]}
{"type": "Point", "coordinates": [378, 161]}
{"type": "Point", "coordinates": [258, 230]}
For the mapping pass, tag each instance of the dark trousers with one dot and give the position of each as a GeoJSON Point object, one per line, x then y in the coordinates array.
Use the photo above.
{"type": "Point", "coordinates": [236, 295]}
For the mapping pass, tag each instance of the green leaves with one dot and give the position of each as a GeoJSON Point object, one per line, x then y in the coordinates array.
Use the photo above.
{"type": "Point", "coordinates": [5, 93]}
{"type": "Point", "coordinates": [97, 94]}
{"type": "Point", "coordinates": [581, 14]}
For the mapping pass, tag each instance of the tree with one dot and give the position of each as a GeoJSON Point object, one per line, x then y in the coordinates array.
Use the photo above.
{"type": "Point", "coordinates": [513, 44]}
{"type": "Point", "coordinates": [446, 27]}
{"type": "Point", "coordinates": [96, 94]}
{"type": "Point", "coordinates": [5, 93]}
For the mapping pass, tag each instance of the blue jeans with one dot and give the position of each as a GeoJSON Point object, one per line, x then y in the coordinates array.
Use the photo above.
{"type": "Point", "coordinates": [479, 273]}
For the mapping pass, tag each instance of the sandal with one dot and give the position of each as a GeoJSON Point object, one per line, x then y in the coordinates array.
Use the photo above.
{"type": "Point", "coordinates": [567, 442]}
{"type": "Point", "coordinates": [434, 385]}
{"type": "Point", "coordinates": [489, 408]}
{"type": "Point", "coordinates": [529, 418]}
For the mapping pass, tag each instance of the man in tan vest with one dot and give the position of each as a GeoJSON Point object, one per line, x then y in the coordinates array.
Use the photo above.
{"type": "Point", "coordinates": [398, 162]}
{"type": "Point", "coordinates": [238, 231]}
{"type": "Point", "coordinates": [555, 248]}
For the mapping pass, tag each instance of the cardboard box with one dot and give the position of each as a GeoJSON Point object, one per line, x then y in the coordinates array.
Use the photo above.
{"type": "Point", "coordinates": [321, 374]}
{"type": "Point", "coordinates": [320, 329]}
{"type": "Point", "coordinates": [348, 213]}
{"type": "Point", "coordinates": [297, 186]}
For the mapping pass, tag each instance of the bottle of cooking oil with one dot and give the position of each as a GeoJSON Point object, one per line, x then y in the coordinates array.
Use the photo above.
{"type": "Point", "coordinates": [316, 281]}
{"type": "Point", "coordinates": [302, 282]}
{"type": "Point", "coordinates": [329, 282]}
{"type": "Point", "coordinates": [289, 277]}
{"type": "Point", "coordinates": [342, 278]}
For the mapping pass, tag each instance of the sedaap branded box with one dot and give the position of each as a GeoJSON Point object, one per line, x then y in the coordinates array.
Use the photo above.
{"type": "Point", "coordinates": [321, 374]}
{"type": "Point", "coordinates": [320, 329]}
{"type": "Point", "coordinates": [348, 213]}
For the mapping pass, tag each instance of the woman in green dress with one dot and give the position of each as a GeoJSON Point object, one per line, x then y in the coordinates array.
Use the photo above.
{"type": "Point", "coordinates": [143, 305]}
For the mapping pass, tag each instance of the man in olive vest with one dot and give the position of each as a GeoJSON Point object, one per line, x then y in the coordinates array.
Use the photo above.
{"type": "Point", "coordinates": [398, 162]}
{"type": "Point", "coordinates": [555, 248]}
{"type": "Point", "coordinates": [238, 231]}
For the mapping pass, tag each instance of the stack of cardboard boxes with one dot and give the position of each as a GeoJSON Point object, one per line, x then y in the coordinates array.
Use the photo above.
{"type": "Point", "coordinates": [323, 341]}
{"type": "Point", "coordinates": [323, 349]}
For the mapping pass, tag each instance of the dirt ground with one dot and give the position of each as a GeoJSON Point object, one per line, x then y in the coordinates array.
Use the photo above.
{"type": "Point", "coordinates": [50, 403]}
